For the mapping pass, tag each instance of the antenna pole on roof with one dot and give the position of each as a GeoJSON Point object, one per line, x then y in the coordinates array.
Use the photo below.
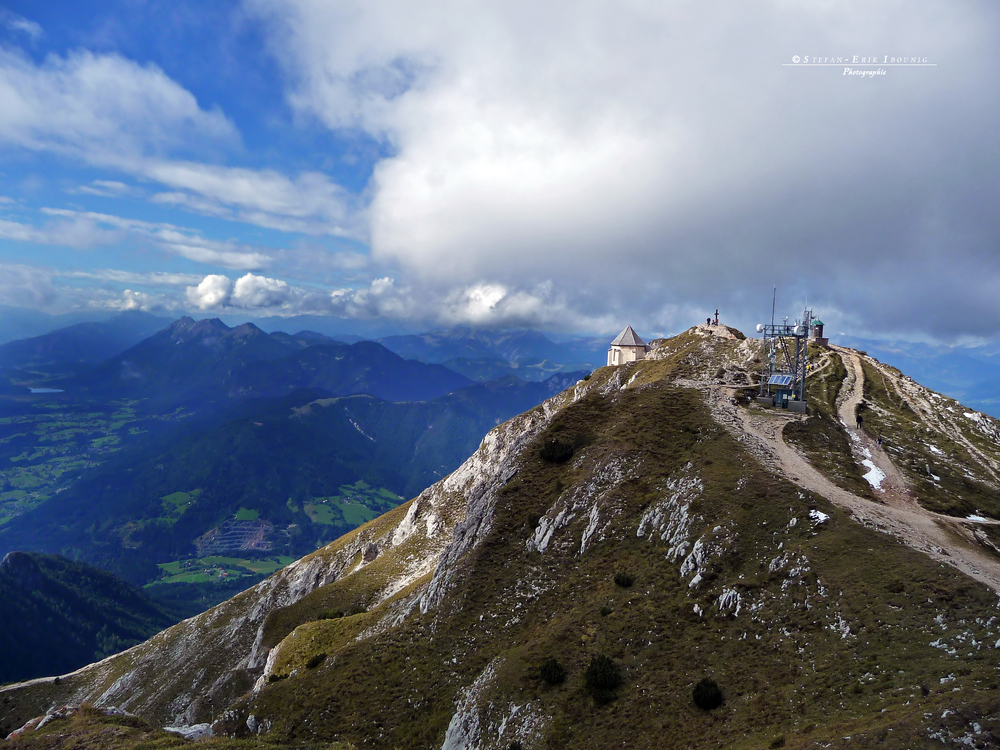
{"type": "Point", "coordinates": [774, 296]}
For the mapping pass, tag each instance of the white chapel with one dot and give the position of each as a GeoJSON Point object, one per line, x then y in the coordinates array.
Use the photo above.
{"type": "Point", "coordinates": [627, 347]}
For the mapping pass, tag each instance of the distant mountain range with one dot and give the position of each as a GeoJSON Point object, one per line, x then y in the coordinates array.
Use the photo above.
{"type": "Point", "coordinates": [478, 355]}
{"type": "Point", "coordinates": [157, 452]}
{"type": "Point", "coordinates": [196, 362]}
{"type": "Point", "coordinates": [66, 349]}
{"type": "Point", "coordinates": [485, 355]}
{"type": "Point", "coordinates": [22, 322]}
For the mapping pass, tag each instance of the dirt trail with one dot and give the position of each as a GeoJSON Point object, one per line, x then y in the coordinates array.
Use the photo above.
{"type": "Point", "coordinates": [941, 537]}
{"type": "Point", "coordinates": [893, 488]}
{"type": "Point", "coordinates": [914, 396]}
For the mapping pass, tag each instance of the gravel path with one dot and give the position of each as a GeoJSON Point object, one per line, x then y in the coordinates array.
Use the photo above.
{"type": "Point", "coordinates": [942, 538]}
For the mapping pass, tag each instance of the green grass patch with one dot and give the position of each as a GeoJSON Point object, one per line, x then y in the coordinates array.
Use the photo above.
{"type": "Point", "coordinates": [354, 513]}
{"type": "Point", "coordinates": [176, 503]}
{"type": "Point", "coordinates": [354, 505]}
{"type": "Point", "coordinates": [247, 514]}
{"type": "Point", "coordinates": [321, 513]}
{"type": "Point", "coordinates": [194, 570]}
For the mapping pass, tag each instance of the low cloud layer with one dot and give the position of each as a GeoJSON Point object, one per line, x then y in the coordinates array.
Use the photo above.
{"type": "Point", "coordinates": [25, 286]}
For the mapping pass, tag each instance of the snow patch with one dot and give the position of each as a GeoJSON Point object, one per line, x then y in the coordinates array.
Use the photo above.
{"type": "Point", "coordinates": [874, 476]}
{"type": "Point", "coordinates": [818, 517]}
{"type": "Point", "coordinates": [358, 428]}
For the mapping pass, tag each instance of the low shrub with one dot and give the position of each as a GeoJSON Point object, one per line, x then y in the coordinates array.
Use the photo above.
{"type": "Point", "coordinates": [336, 614]}
{"type": "Point", "coordinates": [552, 672]}
{"type": "Point", "coordinates": [602, 677]}
{"type": "Point", "coordinates": [623, 579]}
{"type": "Point", "coordinates": [707, 694]}
{"type": "Point", "coordinates": [605, 610]}
{"type": "Point", "coordinates": [556, 451]}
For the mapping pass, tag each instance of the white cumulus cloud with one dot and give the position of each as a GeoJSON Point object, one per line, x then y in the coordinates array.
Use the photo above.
{"type": "Point", "coordinates": [249, 292]}
{"type": "Point", "coordinates": [213, 291]}
{"type": "Point", "coordinates": [259, 291]}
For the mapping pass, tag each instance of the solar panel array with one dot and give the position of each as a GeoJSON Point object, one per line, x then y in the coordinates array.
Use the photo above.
{"type": "Point", "coordinates": [780, 380]}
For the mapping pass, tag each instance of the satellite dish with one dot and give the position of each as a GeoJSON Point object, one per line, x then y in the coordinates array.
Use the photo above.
{"type": "Point", "coordinates": [760, 328]}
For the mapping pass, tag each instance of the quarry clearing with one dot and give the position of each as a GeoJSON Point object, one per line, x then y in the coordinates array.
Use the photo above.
{"type": "Point", "coordinates": [896, 512]}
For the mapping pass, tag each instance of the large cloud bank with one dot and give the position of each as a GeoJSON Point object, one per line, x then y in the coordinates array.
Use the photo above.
{"type": "Point", "coordinates": [650, 157]}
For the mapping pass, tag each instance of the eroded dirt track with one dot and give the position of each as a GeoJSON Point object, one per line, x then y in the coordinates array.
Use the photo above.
{"type": "Point", "coordinates": [896, 512]}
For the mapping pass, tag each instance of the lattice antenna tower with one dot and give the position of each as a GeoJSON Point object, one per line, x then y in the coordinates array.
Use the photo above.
{"type": "Point", "coordinates": [783, 371]}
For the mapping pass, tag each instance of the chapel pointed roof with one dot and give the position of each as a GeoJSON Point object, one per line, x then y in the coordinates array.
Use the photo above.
{"type": "Point", "coordinates": [628, 337]}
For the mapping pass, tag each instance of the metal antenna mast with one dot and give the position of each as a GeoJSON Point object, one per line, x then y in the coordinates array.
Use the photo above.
{"type": "Point", "coordinates": [784, 366]}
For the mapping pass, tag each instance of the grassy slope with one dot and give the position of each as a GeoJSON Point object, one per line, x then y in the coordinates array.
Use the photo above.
{"type": "Point", "coordinates": [960, 487]}
{"type": "Point", "coordinates": [784, 664]}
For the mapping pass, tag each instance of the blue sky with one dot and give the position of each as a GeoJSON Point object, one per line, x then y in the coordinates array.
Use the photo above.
{"type": "Point", "coordinates": [566, 166]}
